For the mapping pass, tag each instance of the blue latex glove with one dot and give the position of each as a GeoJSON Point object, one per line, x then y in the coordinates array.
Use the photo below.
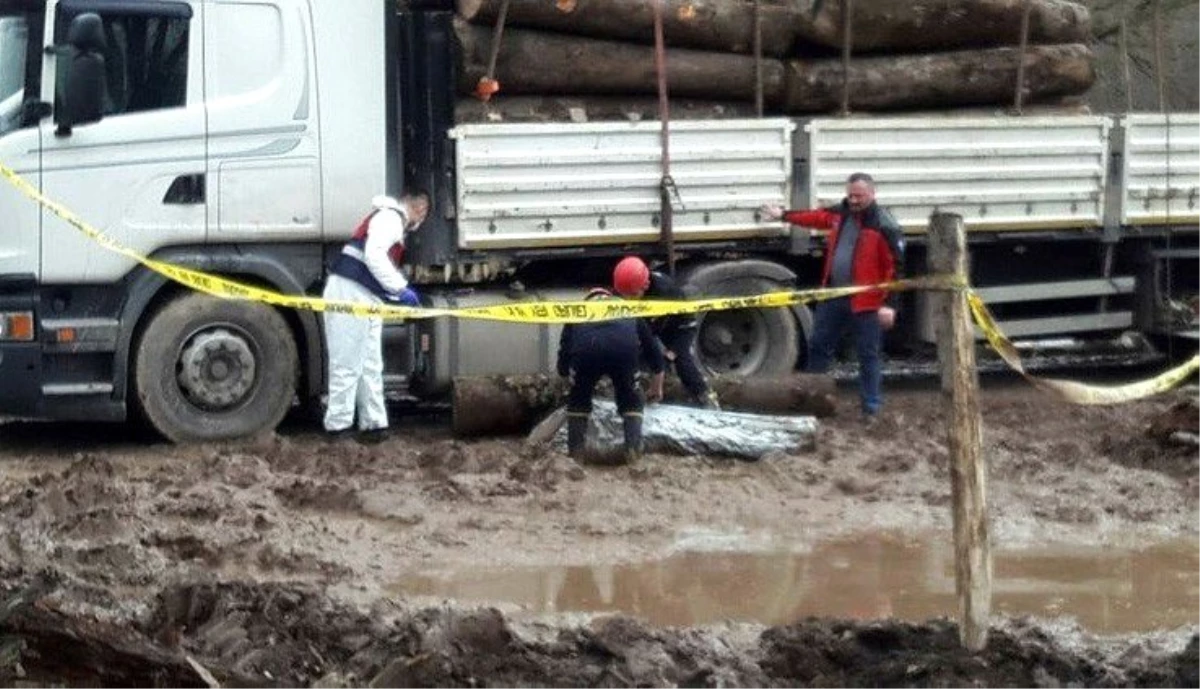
{"type": "Point", "coordinates": [407, 297]}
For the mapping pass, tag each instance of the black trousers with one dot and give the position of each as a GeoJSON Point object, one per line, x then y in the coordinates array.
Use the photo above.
{"type": "Point", "coordinates": [595, 359]}
{"type": "Point", "coordinates": [682, 341]}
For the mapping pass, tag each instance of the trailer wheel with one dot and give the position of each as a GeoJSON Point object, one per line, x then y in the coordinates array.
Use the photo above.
{"type": "Point", "coordinates": [212, 369]}
{"type": "Point", "coordinates": [746, 342]}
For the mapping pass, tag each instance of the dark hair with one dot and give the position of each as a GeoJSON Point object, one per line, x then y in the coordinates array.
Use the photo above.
{"type": "Point", "coordinates": [861, 177]}
{"type": "Point", "coordinates": [416, 195]}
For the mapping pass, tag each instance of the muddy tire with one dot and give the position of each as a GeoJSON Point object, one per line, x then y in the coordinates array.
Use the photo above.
{"type": "Point", "coordinates": [210, 369]}
{"type": "Point", "coordinates": [745, 342]}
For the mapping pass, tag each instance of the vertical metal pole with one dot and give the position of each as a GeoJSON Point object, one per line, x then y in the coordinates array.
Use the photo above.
{"type": "Point", "coordinates": [1160, 74]}
{"type": "Point", "coordinates": [960, 399]}
{"type": "Point", "coordinates": [758, 59]}
{"type": "Point", "coordinates": [847, 41]}
{"type": "Point", "coordinates": [667, 227]}
{"type": "Point", "coordinates": [497, 35]}
{"type": "Point", "coordinates": [1159, 69]}
{"type": "Point", "coordinates": [1125, 65]}
{"type": "Point", "coordinates": [1019, 98]}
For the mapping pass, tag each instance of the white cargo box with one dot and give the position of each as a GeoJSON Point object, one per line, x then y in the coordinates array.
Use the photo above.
{"type": "Point", "coordinates": [1161, 189]}
{"type": "Point", "coordinates": [997, 173]}
{"type": "Point", "coordinates": [561, 185]}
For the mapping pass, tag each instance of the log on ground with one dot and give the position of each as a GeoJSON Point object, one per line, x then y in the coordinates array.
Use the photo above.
{"type": "Point", "coordinates": [1181, 417]}
{"type": "Point", "coordinates": [511, 405]}
{"type": "Point", "coordinates": [717, 25]}
{"type": "Point", "coordinates": [798, 393]}
{"type": "Point", "coordinates": [532, 62]}
{"type": "Point", "coordinates": [953, 79]}
{"type": "Point", "coordinates": [57, 648]}
{"type": "Point", "coordinates": [672, 429]}
{"type": "Point", "coordinates": [926, 25]}
{"type": "Point", "coordinates": [503, 405]}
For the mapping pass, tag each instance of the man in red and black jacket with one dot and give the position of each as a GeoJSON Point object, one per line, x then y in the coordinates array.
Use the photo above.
{"type": "Point", "coordinates": [865, 247]}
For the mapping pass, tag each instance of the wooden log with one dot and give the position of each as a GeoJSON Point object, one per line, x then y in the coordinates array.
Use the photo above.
{"type": "Point", "coordinates": [591, 109]}
{"type": "Point", "coordinates": [531, 62]}
{"type": "Point", "coordinates": [543, 64]}
{"type": "Point", "coordinates": [503, 405]}
{"type": "Point", "coordinates": [1067, 105]}
{"type": "Point", "coordinates": [603, 109]}
{"type": "Point", "coordinates": [511, 405]}
{"type": "Point", "coordinates": [1183, 417]}
{"type": "Point", "coordinates": [717, 25]}
{"type": "Point", "coordinates": [798, 393]}
{"type": "Point", "coordinates": [960, 400]}
{"type": "Point", "coordinates": [936, 80]}
{"type": "Point", "coordinates": [926, 25]}
{"type": "Point", "coordinates": [60, 648]}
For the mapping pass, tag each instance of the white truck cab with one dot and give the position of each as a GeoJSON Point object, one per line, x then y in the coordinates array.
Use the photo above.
{"type": "Point", "coordinates": [221, 141]}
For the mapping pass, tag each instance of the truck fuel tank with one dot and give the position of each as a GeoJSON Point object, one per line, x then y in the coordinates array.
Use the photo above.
{"type": "Point", "coordinates": [449, 347]}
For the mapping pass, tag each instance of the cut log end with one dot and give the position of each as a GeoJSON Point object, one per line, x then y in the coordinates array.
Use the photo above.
{"type": "Point", "coordinates": [503, 405]}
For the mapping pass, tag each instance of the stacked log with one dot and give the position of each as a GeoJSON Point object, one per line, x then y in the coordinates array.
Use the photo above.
{"type": "Point", "coordinates": [711, 25]}
{"type": "Point", "coordinates": [894, 26]}
{"type": "Point", "coordinates": [572, 59]}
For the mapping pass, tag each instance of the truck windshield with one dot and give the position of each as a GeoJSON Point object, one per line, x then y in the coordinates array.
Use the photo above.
{"type": "Point", "coordinates": [16, 23]}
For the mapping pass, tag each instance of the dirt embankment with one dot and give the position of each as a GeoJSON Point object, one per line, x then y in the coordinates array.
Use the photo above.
{"type": "Point", "coordinates": [271, 562]}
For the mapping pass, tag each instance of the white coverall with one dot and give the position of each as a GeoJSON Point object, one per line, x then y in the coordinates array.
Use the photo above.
{"type": "Point", "coordinates": [355, 344]}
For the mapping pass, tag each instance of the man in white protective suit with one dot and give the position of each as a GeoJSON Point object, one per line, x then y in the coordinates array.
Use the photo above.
{"type": "Point", "coordinates": [367, 272]}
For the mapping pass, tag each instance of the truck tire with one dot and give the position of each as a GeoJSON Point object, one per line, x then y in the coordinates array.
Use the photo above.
{"type": "Point", "coordinates": [212, 369]}
{"type": "Point", "coordinates": [746, 342]}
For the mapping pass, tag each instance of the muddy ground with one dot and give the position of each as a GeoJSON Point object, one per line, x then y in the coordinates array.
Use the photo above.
{"type": "Point", "coordinates": [272, 562]}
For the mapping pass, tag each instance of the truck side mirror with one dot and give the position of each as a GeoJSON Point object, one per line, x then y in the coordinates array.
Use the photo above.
{"type": "Point", "coordinates": [81, 96]}
{"type": "Point", "coordinates": [34, 111]}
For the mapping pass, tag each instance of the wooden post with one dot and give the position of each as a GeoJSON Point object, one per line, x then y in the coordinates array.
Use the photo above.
{"type": "Point", "coordinates": [960, 394]}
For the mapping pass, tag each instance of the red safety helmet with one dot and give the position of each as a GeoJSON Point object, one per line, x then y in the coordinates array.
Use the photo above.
{"type": "Point", "coordinates": [631, 277]}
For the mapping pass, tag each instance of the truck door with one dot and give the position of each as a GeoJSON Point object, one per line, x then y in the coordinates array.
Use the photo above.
{"type": "Point", "coordinates": [21, 38]}
{"type": "Point", "coordinates": [261, 87]}
{"type": "Point", "coordinates": [139, 173]}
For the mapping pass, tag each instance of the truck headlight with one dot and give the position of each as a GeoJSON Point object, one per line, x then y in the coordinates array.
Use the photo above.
{"type": "Point", "coordinates": [16, 326]}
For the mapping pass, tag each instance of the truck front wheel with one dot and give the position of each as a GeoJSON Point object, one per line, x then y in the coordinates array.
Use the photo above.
{"type": "Point", "coordinates": [212, 369]}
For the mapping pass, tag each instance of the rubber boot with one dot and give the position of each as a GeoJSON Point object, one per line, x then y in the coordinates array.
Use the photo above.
{"type": "Point", "coordinates": [577, 428]}
{"type": "Point", "coordinates": [633, 436]}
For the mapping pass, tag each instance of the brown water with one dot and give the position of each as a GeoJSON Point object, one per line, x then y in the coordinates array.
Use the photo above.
{"type": "Point", "coordinates": [704, 580]}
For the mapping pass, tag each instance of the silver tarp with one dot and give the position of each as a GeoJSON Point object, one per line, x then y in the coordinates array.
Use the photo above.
{"type": "Point", "coordinates": [672, 429]}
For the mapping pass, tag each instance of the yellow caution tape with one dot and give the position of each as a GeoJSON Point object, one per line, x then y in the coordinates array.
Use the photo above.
{"type": "Point", "coordinates": [560, 312]}
{"type": "Point", "coordinates": [563, 312]}
{"type": "Point", "coordinates": [1078, 393]}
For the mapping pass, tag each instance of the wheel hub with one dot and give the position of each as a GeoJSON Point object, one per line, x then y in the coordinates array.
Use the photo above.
{"type": "Point", "coordinates": [216, 369]}
{"type": "Point", "coordinates": [732, 341]}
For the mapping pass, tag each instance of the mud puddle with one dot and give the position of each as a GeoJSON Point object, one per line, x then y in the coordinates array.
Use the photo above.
{"type": "Point", "coordinates": [710, 577]}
